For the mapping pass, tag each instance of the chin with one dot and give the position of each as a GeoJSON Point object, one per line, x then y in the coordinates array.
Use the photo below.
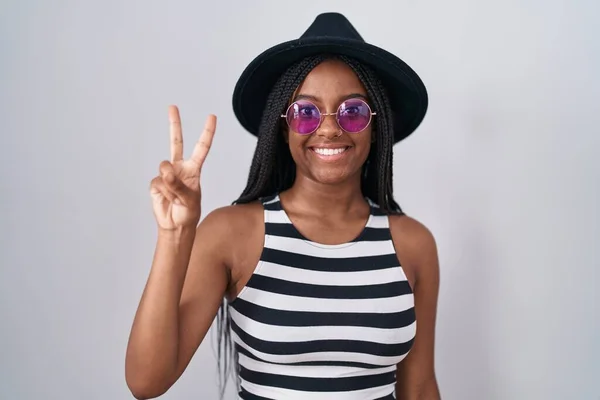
{"type": "Point", "coordinates": [331, 176]}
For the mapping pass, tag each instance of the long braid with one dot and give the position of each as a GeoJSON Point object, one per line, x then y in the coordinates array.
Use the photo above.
{"type": "Point", "coordinates": [379, 187]}
{"type": "Point", "coordinates": [273, 169]}
{"type": "Point", "coordinates": [271, 150]}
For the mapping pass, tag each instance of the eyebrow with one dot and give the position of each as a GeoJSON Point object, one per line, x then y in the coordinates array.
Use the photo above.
{"type": "Point", "coordinates": [302, 96]}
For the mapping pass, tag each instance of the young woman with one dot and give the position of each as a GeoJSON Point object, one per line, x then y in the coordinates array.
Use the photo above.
{"type": "Point", "coordinates": [330, 289]}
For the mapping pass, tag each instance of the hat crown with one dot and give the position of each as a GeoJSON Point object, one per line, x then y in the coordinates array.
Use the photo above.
{"type": "Point", "coordinates": [331, 33]}
{"type": "Point", "coordinates": [332, 25]}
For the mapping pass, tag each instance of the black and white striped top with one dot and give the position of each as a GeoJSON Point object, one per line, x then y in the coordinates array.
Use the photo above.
{"type": "Point", "coordinates": [322, 321]}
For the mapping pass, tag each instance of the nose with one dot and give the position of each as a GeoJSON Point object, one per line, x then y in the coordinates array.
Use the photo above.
{"type": "Point", "coordinates": [329, 127]}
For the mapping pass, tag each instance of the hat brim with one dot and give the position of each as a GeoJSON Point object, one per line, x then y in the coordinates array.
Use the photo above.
{"type": "Point", "coordinates": [407, 93]}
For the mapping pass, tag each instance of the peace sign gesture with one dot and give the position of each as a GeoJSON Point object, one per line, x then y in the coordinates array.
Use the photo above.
{"type": "Point", "coordinates": [175, 191]}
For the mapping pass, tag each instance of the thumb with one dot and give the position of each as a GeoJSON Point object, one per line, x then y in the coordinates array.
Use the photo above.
{"type": "Point", "coordinates": [174, 185]}
{"type": "Point", "coordinates": [183, 194]}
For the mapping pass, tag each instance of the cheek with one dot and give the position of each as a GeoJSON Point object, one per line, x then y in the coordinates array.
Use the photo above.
{"type": "Point", "coordinates": [364, 144]}
{"type": "Point", "coordinates": [297, 146]}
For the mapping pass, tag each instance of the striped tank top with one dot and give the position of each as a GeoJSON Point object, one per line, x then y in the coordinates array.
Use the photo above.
{"type": "Point", "coordinates": [322, 321]}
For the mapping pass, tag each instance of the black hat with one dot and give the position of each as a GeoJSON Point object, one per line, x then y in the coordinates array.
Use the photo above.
{"type": "Point", "coordinates": [331, 33]}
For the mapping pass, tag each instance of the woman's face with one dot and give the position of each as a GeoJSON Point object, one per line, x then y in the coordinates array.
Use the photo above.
{"type": "Point", "coordinates": [331, 155]}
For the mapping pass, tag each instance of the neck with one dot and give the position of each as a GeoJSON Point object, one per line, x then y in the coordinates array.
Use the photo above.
{"type": "Point", "coordinates": [318, 198]}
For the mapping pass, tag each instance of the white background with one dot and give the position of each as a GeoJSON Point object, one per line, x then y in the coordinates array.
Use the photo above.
{"type": "Point", "coordinates": [504, 171]}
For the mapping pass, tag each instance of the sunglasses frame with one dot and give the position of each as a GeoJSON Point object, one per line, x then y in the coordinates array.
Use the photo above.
{"type": "Point", "coordinates": [323, 115]}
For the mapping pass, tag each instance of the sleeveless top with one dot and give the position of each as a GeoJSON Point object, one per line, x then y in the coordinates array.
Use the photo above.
{"type": "Point", "coordinates": [322, 321]}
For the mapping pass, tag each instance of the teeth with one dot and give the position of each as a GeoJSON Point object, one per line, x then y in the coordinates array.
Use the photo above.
{"type": "Point", "coordinates": [329, 152]}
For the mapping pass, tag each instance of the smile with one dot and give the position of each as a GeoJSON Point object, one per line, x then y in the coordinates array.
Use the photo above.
{"type": "Point", "coordinates": [329, 152]}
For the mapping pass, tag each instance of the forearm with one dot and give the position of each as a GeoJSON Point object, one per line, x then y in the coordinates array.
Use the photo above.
{"type": "Point", "coordinates": [153, 345]}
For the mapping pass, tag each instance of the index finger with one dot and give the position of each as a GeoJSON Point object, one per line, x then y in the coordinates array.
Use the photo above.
{"type": "Point", "coordinates": [176, 134]}
{"type": "Point", "coordinates": [205, 141]}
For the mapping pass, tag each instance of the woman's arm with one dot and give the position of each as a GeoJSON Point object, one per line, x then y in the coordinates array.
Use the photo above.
{"type": "Point", "coordinates": [417, 251]}
{"type": "Point", "coordinates": [187, 282]}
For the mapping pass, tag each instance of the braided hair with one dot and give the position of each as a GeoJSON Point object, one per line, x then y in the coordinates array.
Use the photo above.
{"type": "Point", "coordinates": [273, 170]}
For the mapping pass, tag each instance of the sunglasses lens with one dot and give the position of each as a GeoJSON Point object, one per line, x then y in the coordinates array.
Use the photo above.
{"type": "Point", "coordinates": [354, 115]}
{"type": "Point", "coordinates": [303, 117]}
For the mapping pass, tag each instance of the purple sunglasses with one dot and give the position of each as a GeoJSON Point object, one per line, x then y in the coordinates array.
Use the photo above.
{"type": "Point", "coordinates": [304, 117]}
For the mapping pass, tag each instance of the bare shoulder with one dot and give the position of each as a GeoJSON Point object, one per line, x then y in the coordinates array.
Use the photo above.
{"type": "Point", "coordinates": [236, 233]}
{"type": "Point", "coordinates": [413, 233]}
{"type": "Point", "coordinates": [228, 228]}
{"type": "Point", "coordinates": [415, 245]}
{"type": "Point", "coordinates": [235, 219]}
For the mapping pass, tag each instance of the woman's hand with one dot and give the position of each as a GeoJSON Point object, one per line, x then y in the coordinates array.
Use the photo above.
{"type": "Point", "coordinates": [176, 190]}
